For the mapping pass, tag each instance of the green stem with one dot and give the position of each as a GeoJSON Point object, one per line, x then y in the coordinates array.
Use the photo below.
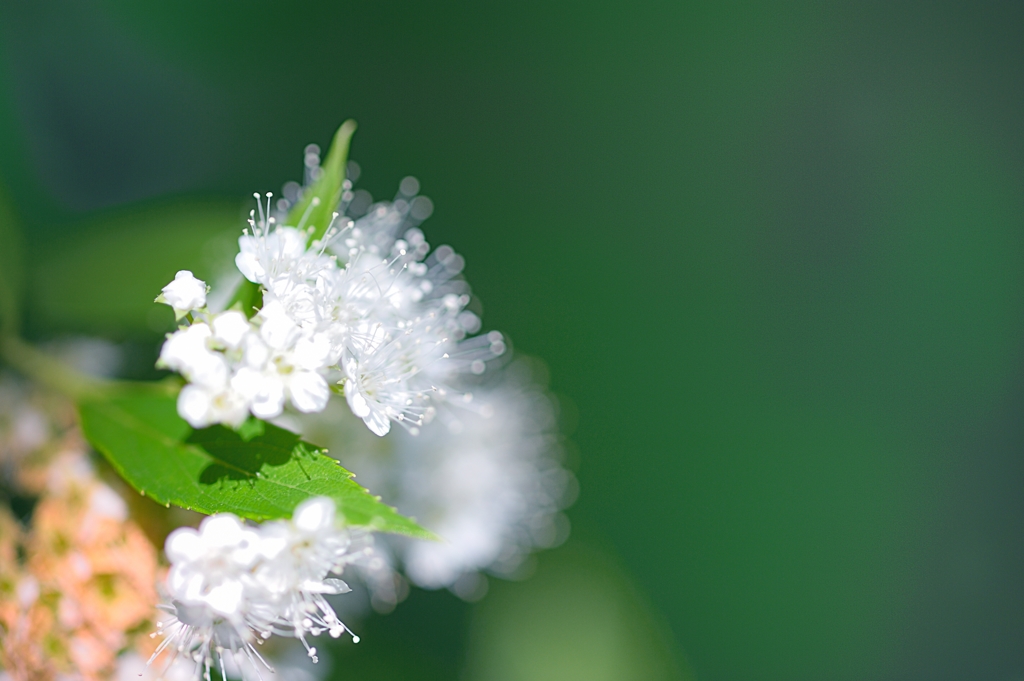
{"type": "Point", "coordinates": [49, 371]}
{"type": "Point", "coordinates": [58, 376]}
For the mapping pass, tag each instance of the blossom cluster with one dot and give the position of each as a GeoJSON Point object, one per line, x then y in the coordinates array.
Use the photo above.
{"type": "Point", "coordinates": [363, 307]}
{"type": "Point", "coordinates": [368, 307]}
{"type": "Point", "coordinates": [231, 585]}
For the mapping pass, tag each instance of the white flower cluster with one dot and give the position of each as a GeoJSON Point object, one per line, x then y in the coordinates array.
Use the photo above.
{"type": "Point", "coordinates": [231, 585]}
{"type": "Point", "coordinates": [489, 480]}
{"type": "Point", "coordinates": [367, 307]}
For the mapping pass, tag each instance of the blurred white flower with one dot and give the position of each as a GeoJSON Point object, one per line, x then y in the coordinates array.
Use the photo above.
{"type": "Point", "coordinates": [486, 476]}
{"type": "Point", "coordinates": [489, 480]}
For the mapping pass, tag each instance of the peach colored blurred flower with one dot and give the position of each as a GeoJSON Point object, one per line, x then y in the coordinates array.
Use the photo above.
{"type": "Point", "coordinates": [77, 587]}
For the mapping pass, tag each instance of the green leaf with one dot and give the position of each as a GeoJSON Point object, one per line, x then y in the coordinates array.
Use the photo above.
{"type": "Point", "coordinates": [259, 472]}
{"type": "Point", "coordinates": [326, 191]}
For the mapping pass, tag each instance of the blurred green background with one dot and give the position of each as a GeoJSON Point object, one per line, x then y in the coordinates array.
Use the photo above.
{"type": "Point", "coordinates": [772, 254]}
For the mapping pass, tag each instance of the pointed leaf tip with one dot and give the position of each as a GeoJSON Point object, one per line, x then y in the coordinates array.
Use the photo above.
{"type": "Point", "coordinates": [316, 208]}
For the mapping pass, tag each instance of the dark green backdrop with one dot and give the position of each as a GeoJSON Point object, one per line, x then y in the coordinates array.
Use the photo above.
{"type": "Point", "coordinates": [771, 253]}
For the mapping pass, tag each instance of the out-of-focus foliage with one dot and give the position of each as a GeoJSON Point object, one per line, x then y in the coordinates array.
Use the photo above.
{"type": "Point", "coordinates": [577, 619]}
{"type": "Point", "coordinates": [102, 274]}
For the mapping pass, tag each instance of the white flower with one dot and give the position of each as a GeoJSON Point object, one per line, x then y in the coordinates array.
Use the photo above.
{"type": "Point", "coordinates": [232, 585]}
{"type": "Point", "coordinates": [373, 413]}
{"type": "Point", "coordinates": [263, 393]}
{"type": "Point", "coordinates": [210, 566]}
{"type": "Point", "coordinates": [204, 406]}
{"type": "Point", "coordinates": [380, 387]}
{"type": "Point", "coordinates": [307, 390]}
{"type": "Point", "coordinates": [297, 557]}
{"type": "Point", "coordinates": [282, 364]}
{"type": "Point", "coordinates": [303, 550]}
{"type": "Point", "coordinates": [368, 303]}
{"type": "Point", "coordinates": [184, 294]}
{"type": "Point", "coordinates": [188, 352]}
{"type": "Point", "coordinates": [266, 255]}
{"type": "Point", "coordinates": [230, 328]}
{"type": "Point", "coordinates": [278, 330]}
{"type": "Point", "coordinates": [210, 396]}
{"type": "Point", "coordinates": [211, 588]}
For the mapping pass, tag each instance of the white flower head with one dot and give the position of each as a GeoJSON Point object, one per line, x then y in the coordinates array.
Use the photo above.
{"type": "Point", "coordinates": [184, 294]}
{"type": "Point", "coordinates": [210, 566]}
{"type": "Point", "coordinates": [233, 585]}
{"type": "Point", "coordinates": [265, 256]}
{"type": "Point", "coordinates": [367, 303]}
